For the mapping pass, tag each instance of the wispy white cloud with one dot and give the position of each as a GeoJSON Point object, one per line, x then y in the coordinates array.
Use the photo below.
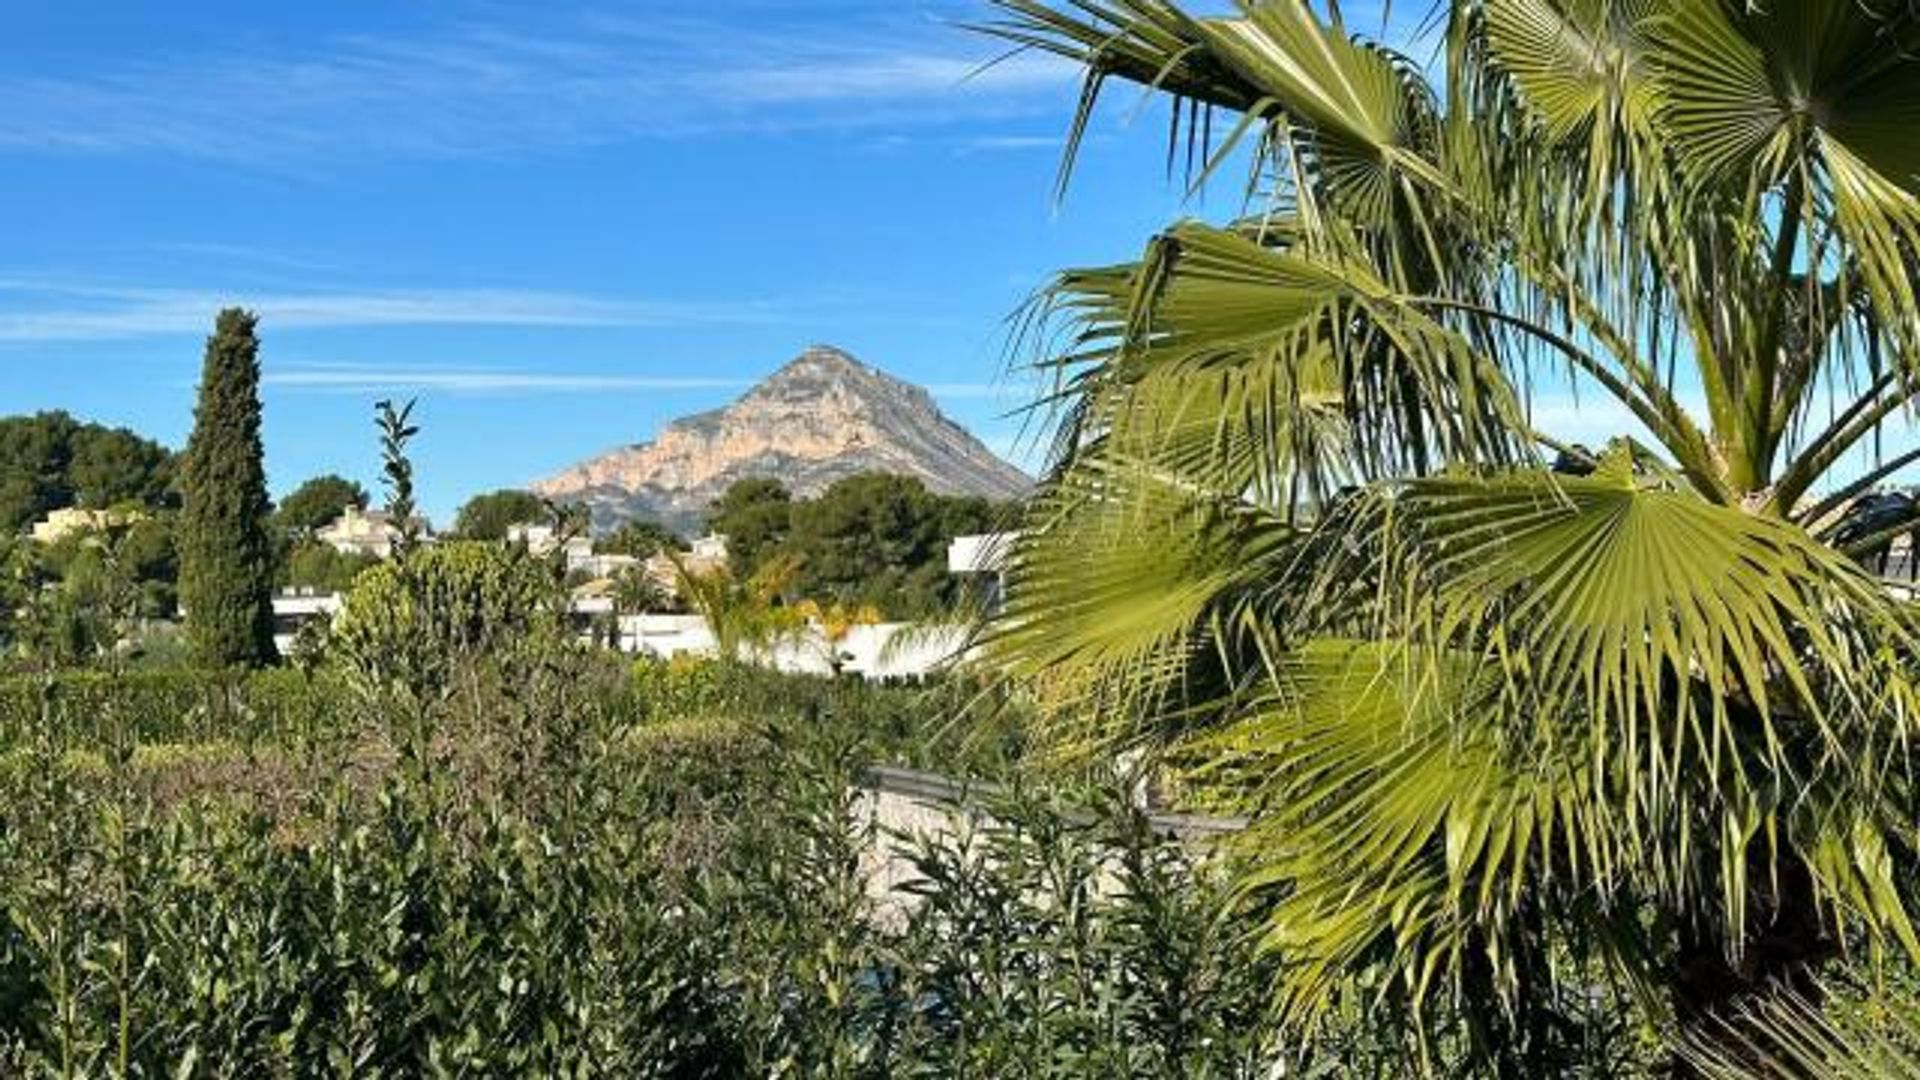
{"type": "Point", "coordinates": [498, 90]}
{"type": "Point", "coordinates": [359, 379]}
{"type": "Point", "coordinates": [36, 311]}
{"type": "Point", "coordinates": [981, 144]}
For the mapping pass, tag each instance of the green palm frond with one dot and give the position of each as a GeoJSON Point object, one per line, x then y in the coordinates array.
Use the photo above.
{"type": "Point", "coordinates": [1320, 333]}
{"type": "Point", "coordinates": [1126, 581]}
{"type": "Point", "coordinates": [746, 615]}
{"type": "Point", "coordinates": [1361, 124]}
{"type": "Point", "coordinates": [1296, 532]}
{"type": "Point", "coordinates": [1344, 122]}
{"type": "Point", "coordinates": [1144, 41]}
{"type": "Point", "coordinates": [1697, 658]}
{"type": "Point", "coordinates": [1600, 590]}
{"type": "Point", "coordinates": [1718, 98]}
{"type": "Point", "coordinates": [1565, 56]}
{"type": "Point", "coordinates": [1403, 844]}
{"type": "Point", "coordinates": [1391, 841]}
{"type": "Point", "coordinates": [1790, 1036]}
{"type": "Point", "coordinates": [1823, 90]}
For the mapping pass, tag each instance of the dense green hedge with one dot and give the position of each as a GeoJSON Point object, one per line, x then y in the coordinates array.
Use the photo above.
{"type": "Point", "coordinates": [952, 724]}
{"type": "Point", "coordinates": [93, 708]}
{"type": "Point", "coordinates": [576, 883]}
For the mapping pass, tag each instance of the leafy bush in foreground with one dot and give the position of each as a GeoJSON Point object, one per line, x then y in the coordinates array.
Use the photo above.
{"type": "Point", "coordinates": [569, 892]}
{"type": "Point", "coordinates": [85, 708]}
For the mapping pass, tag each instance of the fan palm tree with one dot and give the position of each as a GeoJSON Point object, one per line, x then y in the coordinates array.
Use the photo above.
{"type": "Point", "coordinates": [1503, 707]}
{"type": "Point", "coordinates": [745, 614]}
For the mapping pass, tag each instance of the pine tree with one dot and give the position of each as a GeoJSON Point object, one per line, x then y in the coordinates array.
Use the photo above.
{"type": "Point", "coordinates": [226, 554]}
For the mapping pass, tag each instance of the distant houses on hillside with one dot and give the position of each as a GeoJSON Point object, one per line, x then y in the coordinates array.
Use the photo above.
{"type": "Point", "coordinates": [706, 554]}
{"type": "Point", "coordinates": [882, 651]}
{"type": "Point", "coordinates": [366, 532]}
{"type": "Point", "coordinates": [544, 540]}
{"type": "Point", "coordinates": [58, 525]}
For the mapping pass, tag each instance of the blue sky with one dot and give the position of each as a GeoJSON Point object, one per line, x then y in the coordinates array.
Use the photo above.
{"type": "Point", "coordinates": [559, 225]}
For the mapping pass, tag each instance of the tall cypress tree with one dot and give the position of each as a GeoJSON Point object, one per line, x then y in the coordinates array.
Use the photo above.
{"type": "Point", "coordinates": [226, 570]}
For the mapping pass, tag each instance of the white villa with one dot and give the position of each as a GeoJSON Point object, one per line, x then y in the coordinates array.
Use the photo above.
{"type": "Point", "coordinates": [296, 608]}
{"type": "Point", "coordinates": [365, 532]}
{"type": "Point", "coordinates": [60, 524]}
{"type": "Point", "coordinates": [543, 540]}
{"type": "Point", "coordinates": [981, 562]}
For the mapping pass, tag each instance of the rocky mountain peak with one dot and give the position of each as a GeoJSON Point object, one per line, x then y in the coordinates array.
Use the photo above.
{"type": "Point", "coordinates": [822, 416]}
{"type": "Point", "coordinates": [821, 361]}
{"type": "Point", "coordinates": [825, 371]}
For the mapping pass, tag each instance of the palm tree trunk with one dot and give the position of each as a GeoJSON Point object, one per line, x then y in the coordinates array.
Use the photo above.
{"type": "Point", "coordinates": [1786, 943]}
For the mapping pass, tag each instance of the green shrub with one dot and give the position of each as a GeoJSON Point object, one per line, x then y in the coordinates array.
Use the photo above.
{"type": "Point", "coordinates": [951, 724]}
{"type": "Point", "coordinates": [415, 621]}
{"type": "Point", "coordinates": [92, 709]}
{"type": "Point", "coordinates": [684, 897]}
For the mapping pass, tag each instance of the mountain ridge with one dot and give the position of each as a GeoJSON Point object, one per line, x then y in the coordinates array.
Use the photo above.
{"type": "Point", "coordinates": [823, 416]}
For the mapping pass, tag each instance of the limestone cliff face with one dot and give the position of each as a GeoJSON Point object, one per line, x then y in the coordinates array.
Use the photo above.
{"type": "Point", "coordinates": [822, 417]}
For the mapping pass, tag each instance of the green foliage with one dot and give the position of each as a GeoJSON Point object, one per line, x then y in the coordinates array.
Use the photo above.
{"type": "Point", "coordinates": [316, 503]}
{"type": "Point", "coordinates": [422, 616]}
{"type": "Point", "coordinates": [640, 539]}
{"type": "Point", "coordinates": [50, 460]}
{"type": "Point", "coordinates": [1505, 731]}
{"type": "Point", "coordinates": [320, 567]}
{"type": "Point", "coordinates": [74, 602]}
{"type": "Point", "coordinates": [84, 600]}
{"type": "Point", "coordinates": [396, 473]}
{"type": "Point", "coordinates": [149, 554]}
{"type": "Point", "coordinates": [1842, 1036]}
{"type": "Point", "coordinates": [874, 539]}
{"type": "Point", "coordinates": [489, 516]}
{"type": "Point", "coordinates": [112, 467]}
{"type": "Point", "coordinates": [570, 892]}
{"type": "Point", "coordinates": [882, 540]}
{"type": "Point", "coordinates": [637, 592]}
{"type": "Point", "coordinates": [76, 616]}
{"type": "Point", "coordinates": [746, 613]}
{"type": "Point", "coordinates": [755, 515]}
{"type": "Point", "coordinates": [1059, 937]}
{"type": "Point", "coordinates": [956, 726]}
{"type": "Point", "coordinates": [88, 710]}
{"type": "Point", "coordinates": [226, 552]}
{"type": "Point", "coordinates": [18, 569]}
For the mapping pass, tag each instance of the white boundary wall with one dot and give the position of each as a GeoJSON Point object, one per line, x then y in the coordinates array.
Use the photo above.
{"type": "Point", "coordinates": [884, 651]}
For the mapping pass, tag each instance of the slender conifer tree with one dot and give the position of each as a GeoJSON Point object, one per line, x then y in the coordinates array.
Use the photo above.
{"type": "Point", "coordinates": [226, 560]}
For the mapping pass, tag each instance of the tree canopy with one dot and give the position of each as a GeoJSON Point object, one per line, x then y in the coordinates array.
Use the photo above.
{"type": "Point", "coordinates": [488, 516]}
{"type": "Point", "coordinates": [876, 539]}
{"type": "Point", "coordinates": [755, 516]}
{"type": "Point", "coordinates": [640, 539]}
{"type": "Point", "coordinates": [443, 605]}
{"type": "Point", "coordinates": [316, 503]}
{"type": "Point", "coordinates": [50, 460]}
{"type": "Point", "coordinates": [321, 568]}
